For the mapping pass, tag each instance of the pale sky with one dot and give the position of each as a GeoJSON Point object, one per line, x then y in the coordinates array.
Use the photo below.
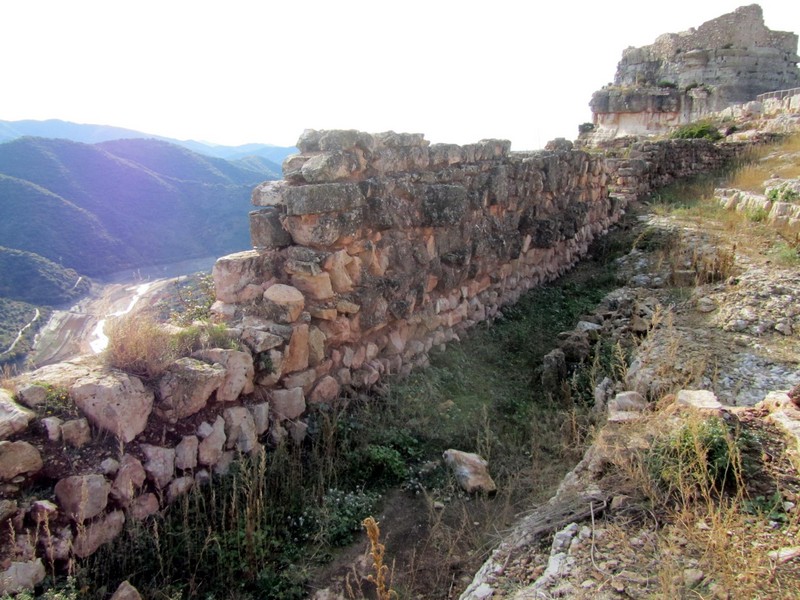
{"type": "Point", "coordinates": [240, 71]}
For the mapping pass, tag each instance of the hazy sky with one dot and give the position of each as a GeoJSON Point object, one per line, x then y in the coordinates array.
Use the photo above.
{"type": "Point", "coordinates": [235, 71]}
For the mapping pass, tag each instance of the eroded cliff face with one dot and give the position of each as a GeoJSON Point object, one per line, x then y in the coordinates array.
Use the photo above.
{"type": "Point", "coordinates": [682, 77]}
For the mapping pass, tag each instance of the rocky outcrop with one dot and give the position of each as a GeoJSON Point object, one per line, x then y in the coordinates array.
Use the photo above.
{"type": "Point", "coordinates": [685, 76]}
{"type": "Point", "coordinates": [470, 470]}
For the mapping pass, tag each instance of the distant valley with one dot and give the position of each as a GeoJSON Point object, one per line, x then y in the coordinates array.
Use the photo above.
{"type": "Point", "coordinates": [95, 204]}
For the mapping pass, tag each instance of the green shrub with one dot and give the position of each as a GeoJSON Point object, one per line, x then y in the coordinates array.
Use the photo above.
{"type": "Point", "coordinates": [703, 456]}
{"type": "Point", "coordinates": [667, 84]}
{"type": "Point", "coordinates": [699, 130]}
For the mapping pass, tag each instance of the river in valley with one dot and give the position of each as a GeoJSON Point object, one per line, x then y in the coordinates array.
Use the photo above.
{"type": "Point", "coordinates": [80, 329]}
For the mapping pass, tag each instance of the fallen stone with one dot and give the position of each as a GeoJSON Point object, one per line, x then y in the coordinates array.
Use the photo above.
{"type": "Point", "coordinates": [13, 417]}
{"type": "Point", "coordinates": [82, 497]}
{"type": "Point", "coordinates": [470, 471]}
{"type": "Point", "coordinates": [109, 466]}
{"type": "Point", "coordinates": [18, 458]}
{"type": "Point", "coordinates": [125, 591]}
{"type": "Point", "coordinates": [98, 533]}
{"type": "Point", "coordinates": [43, 511]}
{"type": "Point", "coordinates": [114, 401]}
{"type": "Point", "coordinates": [185, 388]}
{"type": "Point", "coordinates": [628, 401]}
{"type": "Point", "coordinates": [699, 399]}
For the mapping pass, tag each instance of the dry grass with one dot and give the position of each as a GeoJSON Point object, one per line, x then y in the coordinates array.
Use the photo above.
{"type": "Point", "coordinates": [139, 346]}
{"type": "Point", "coordinates": [766, 162]}
{"type": "Point", "coordinates": [707, 519]}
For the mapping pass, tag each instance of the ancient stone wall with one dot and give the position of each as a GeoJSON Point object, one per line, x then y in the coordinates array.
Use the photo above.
{"type": "Point", "coordinates": [372, 251]}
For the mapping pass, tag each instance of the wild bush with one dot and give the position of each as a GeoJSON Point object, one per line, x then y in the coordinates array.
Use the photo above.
{"type": "Point", "coordinates": [698, 130]}
{"type": "Point", "coordinates": [140, 346]}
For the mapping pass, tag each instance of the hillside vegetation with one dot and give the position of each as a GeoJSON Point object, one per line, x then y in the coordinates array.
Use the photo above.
{"type": "Point", "coordinates": [100, 208]}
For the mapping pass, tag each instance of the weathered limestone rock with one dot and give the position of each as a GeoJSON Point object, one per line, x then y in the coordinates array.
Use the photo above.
{"type": "Point", "coordinates": [326, 391]}
{"type": "Point", "coordinates": [13, 417]}
{"type": "Point", "coordinates": [296, 358]}
{"type": "Point", "coordinates": [43, 511]}
{"type": "Point", "coordinates": [143, 506]}
{"type": "Point", "coordinates": [470, 471]}
{"type": "Point", "coordinates": [20, 576]}
{"type": "Point", "coordinates": [32, 395]}
{"type": "Point", "coordinates": [239, 372]}
{"type": "Point", "coordinates": [211, 447]}
{"type": "Point", "coordinates": [18, 458]}
{"type": "Point", "coordinates": [699, 399]}
{"type": "Point", "coordinates": [115, 402]}
{"type": "Point", "coordinates": [186, 452]}
{"type": "Point", "coordinates": [266, 230]}
{"type": "Point", "coordinates": [240, 429]}
{"type": "Point", "coordinates": [288, 404]}
{"type": "Point", "coordinates": [125, 591]}
{"type": "Point", "coordinates": [185, 388]}
{"type": "Point", "coordinates": [160, 464]}
{"type": "Point", "coordinates": [283, 303]}
{"type": "Point", "coordinates": [76, 432]}
{"type": "Point", "coordinates": [178, 487]}
{"type": "Point", "coordinates": [98, 533]}
{"type": "Point", "coordinates": [322, 198]}
{"type": "Point", "coordinates": [130, 477]}
{"type": "Point", "coordinates": [52, 425]}
{"type": "Point", "coordinates": [260, 417]}
{"type": "Point", "coordinates": [83, 496]}
{"type": "Point", "coordinates": [233, 273]}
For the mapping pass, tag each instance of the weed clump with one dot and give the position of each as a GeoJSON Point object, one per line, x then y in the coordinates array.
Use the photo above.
{"type": "Point", "coordinates": [701, 457]}
{"type": "Point", "coordinates": [704, 130]}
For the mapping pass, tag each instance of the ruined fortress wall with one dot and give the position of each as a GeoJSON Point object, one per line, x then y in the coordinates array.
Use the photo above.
{"type": "Point", "coordinates": [374, 249]}
{"type": "Point", "coordinates": [377, 248]}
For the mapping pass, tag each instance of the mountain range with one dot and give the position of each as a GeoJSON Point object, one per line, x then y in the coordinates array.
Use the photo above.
{"type": "Point", "coordinates": [93, 134]}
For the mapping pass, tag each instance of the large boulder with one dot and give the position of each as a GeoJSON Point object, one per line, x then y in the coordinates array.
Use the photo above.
{"type": "Point", "coordinates": [83, 496]}
{"type": "Point", "coordinates": [470, 471]}
{"type": "Point", "coordinates": [185, 388]}
{"type": "Point", "coordinates": [13, 417]}
{"type": "Point", "coordinates": [18, 458]}
{"type": "Point", "coordinates": [114, 401]}
{"type": "Point", "coordinates": [239, 372]}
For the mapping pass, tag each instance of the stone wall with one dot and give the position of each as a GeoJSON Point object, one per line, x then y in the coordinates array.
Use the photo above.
{"type": "Point", "coordinates": [376, 248]}
{"type": "Point", "coordinates": [373, 250]}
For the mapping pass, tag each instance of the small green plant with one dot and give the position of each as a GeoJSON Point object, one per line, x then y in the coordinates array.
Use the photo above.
{"type": "Point", "coordinates": [64, 590]}
{"type": "Point", "coordinates": [782, 193]}
{"type": "Point", "coordinates": [667, 84]}
{"type": "Point", "coordinates": [585, 127]}
{"type": "Point", "coordinates": [757, 215]}
{"type": "Point", "coordinates": [699, 130]}
{"type": "Point", "coordinates": [702, 457]}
